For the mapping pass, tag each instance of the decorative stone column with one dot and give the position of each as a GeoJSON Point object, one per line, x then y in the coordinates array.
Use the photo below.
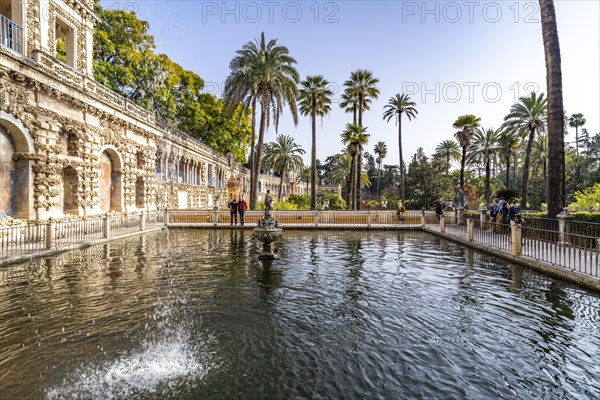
{"type": "Point", "coordinates": [443, 224]}
{"type": "Point", "coordinates": [470, 225]}
{"type": "Point", "coordinates": [460, 215]}
{"type": "Point", "coordinates": [564, 226]}
{"type": "Point", "coordinates": [516, 234]}
{"type": "Point", "coordinates": [483, 217]}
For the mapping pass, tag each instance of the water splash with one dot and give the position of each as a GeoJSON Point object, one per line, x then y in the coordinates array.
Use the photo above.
{"type": "Point", "coordinates": [158, 367]}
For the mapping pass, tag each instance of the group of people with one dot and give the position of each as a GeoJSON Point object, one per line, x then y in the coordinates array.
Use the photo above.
{"type": "Point", "coordinates": [235, 208]}
{"type": "Point", "coordinates": [501, 213]}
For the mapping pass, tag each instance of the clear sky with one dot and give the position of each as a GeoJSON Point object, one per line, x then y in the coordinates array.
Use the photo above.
{"type": "Point", "coordinates": [452, 58]}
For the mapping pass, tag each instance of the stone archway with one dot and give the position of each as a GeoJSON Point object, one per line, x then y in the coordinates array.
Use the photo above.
{"type": "Point", "coordinates": [16, 183]}
{"type": "Point", "coordinates": [110, 188]}
{"type": "Point", "coordinates": [69, 193]}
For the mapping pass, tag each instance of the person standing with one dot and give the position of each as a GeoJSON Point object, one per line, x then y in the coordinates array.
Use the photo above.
{"type": "Point", "coordinates": [515, 214]}
{"type": "Point", "coordinates": [242, 207]}
{"type": "Point", "coordinates": [502, 211]}
{"type": "Point", "coordinates": [439, 208]}
{"type": "Point", "coordinates": [400, 212]}
{"type": "Point", "coordinates": [233, 210]}
{"type": "Point", "coordinates": [494, 214]}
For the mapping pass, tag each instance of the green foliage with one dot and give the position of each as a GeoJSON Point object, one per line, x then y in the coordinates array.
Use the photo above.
{"type": "Point", "coordinates": [61, 49]}
{"type": "Point", "coordinates": [508, 194]}
{"type": "Point", "coordinates": [336, 202]}
{"type": "Point", "coordinates": [124, 61]}
{"type": "Point", "coordinates": [425, 181]}
{"type": "Point", "coordinates": [589, 198]}
{"type": "Point", "coordinates": [302, 201]}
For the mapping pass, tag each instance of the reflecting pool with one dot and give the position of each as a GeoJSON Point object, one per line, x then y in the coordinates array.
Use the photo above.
{"type": "Point", "coordinates": [191, 314]}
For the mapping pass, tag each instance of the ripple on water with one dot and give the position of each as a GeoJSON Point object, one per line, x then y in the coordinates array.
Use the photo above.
{"type": "Point", "coordinates": [157, 367]}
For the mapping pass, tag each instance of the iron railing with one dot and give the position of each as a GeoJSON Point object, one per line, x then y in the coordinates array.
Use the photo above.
{"type": "Point", "coordinates": [11, 35]}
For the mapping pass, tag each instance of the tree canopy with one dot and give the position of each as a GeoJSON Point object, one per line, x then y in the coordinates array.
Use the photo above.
{"type": "Point", "coordinates": [126, 62]}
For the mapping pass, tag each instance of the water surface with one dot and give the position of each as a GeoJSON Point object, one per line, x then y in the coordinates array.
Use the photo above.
{"type": "Point", "coordinates": [191, 314]}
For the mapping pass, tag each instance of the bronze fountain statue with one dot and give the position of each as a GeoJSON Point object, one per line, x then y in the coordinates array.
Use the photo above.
{"type": "Point", "coordinates": [268, 230]}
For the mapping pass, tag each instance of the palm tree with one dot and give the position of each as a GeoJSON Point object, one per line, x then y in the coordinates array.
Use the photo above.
{"type": "Point", "coordinates": [467, 125]}
{"type": "Point", "coordinates": [484, 148]}
{"type": "Point", "coordinates": [381, 151]}
{"type": "Point", "coordinates": [272, 77]}
{"type": "Point", "coordinates": [349, 104]}
{"type": "Point", "coordinates": [528, 116]}
{"type": "Point", "coordinates": [304, 176]}
{"type": "Point", "coordinates": [355, 138]}
{"type": "Point", "coordinates": [448, 150]}
{"type": "Point", "coordinates": [361, 86]}
{"type": "Point", "coordinates": [396, 106]}
{"type": "Point", "coordinates": [556, 147]}
{"type": "Point", "coordinates": [314, 100]}
{"type": "Point", "coordinates": [576, 121]}
{"type": "Point", "coordinates": [508, 144]}
{"type": "Point", "coordinates": [540, 159]}
{"type": "Point", "coordinates": [340, 173]}
{"type": "Point", "coordinates": [282, 156]}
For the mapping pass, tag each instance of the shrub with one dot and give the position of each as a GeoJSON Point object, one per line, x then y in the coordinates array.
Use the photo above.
{"type": "Point", "coordinates": [336, 202]}
{"type": "Point", "coordinates": [589, 198]}
{"type": "Point", "coordinates": [302, 201]}
{"type": "Point", "coordinates": [508, 194]}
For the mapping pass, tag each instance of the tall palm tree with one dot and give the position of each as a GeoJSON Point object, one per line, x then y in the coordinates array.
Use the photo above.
{"type": "Point", "coordinates": [556, 147]}
{"type": "Point", "coordinates": [467, 125]}
{"type": "Point", "coordinates": [362, 85]}
{"type": "Point", "coordinates": [283, 156]}
{"type": "Point", "coordinates": [273, 78]}
{"type": "Point", "coordinates": [349, 104]}
{"type": "Point", "coordinates": [355, 138]}
{"type": "Point", "coordinates": [484, 148]}
{"type": "Point", "coordinates": [448, 150]}
{"type": "Point", "coordinates": [529, 117]}
{"type": "Point", "coordinates": [396, 106]}
{"type": "Point", "coordinates": [381, 151]}
{"type": "Point", "coordinates": [508, 144]}
{"type": "Point", "coordinates": [540, 160]}
{"type": "Point", "coordinates": [314, 100]}
{"type": "Point", "coordinates": [576, 121]}
{"type": "Point", "coordinates": [341, 172]}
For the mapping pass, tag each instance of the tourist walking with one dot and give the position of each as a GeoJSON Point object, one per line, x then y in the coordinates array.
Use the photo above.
{"type": "Point", "coordinates": [233, 210]}
{"type": "Point", "coordinates": [494, 214]}
{"type": "Point", "coordinates": [242, 207]}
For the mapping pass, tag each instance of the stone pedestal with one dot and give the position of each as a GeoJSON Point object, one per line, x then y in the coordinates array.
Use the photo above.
{"type": "Point", "coordinates": [268, 231]}
{"type": "Point", "coordinates": [564, 225]}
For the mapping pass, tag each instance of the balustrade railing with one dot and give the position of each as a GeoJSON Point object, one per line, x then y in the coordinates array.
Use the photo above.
{"type": "Point", "coordinates": [11, 34]}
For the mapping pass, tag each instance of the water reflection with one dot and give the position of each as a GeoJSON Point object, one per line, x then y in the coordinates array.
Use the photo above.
{"type": "Point", "coordinates": [192, 314]}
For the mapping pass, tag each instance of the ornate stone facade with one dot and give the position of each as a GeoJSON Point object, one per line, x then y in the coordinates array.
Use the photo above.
{"type": "Point", "coordinates": [78, 148]}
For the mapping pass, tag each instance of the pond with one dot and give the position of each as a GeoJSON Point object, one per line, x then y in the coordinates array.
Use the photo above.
{"type": "Point", "coordinates": [191, 314]}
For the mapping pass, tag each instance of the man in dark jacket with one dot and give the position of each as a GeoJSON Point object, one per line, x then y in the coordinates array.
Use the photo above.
{"type": "Point", "coordinates": [242, 207]}
{"type": "Point", "coordinates": [233, 210]}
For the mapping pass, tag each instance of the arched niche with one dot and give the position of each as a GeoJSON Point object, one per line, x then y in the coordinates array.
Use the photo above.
{"type": "Point", "coordinates": [69, 192]}
{"type": "Point", "coordinates": [111, 182]}
{"type": "Point", "coordinates": [16, 182]}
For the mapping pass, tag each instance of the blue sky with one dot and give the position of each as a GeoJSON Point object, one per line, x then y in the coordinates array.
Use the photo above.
{"type": "Point", "coordinates": [453, 58]}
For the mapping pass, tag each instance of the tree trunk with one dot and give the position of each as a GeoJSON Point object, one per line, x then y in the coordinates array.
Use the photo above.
{"type": "Point", "coordinates": [264, 109]}
{"type": "Point", "coordinates": [556, 147]}
{"type": "Point", "coordinates": [252, 144]}
{"type": "Point", "coordinates": [402, 194]}
{"type": "Point", "coordinates": [462, 167]}
{"type": "Point", "coordinates": [526, 166]}
{"type": "Point", "coordinates": [358, 180]}
{"type": "Point", "coordinates": [507, 172]}
{"type": "Point", "coordinates": [379, 181]}
{"type": "Point", "coordinates": [487, 181]}
{"type": "Point", "coordinates": [545, 182]}
{"type": "Point", "coordinates": [352, 182]}
{"type": "Point", "coordinates": [577, 140]}
{"type": "Point", "coordinates": [354, 115]}
{"type": "Point", "coordinates": [313, 160]}
{"type": "Point", "coordinates": [281, 181]}
{"type": "Point", "coordinates": [357, 195]}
